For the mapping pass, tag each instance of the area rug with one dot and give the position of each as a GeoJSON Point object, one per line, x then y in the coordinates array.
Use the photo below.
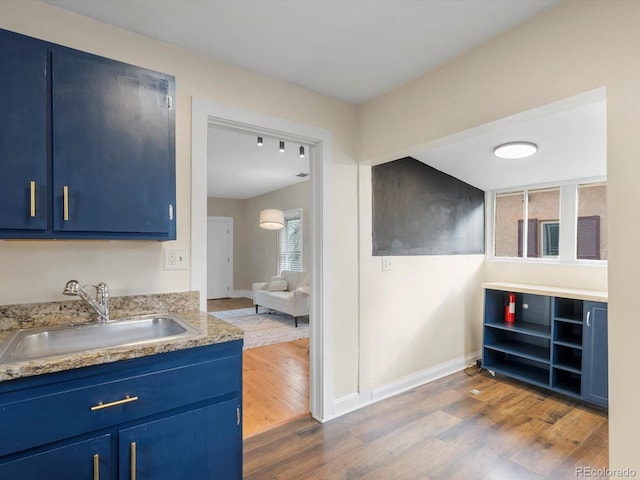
{"type": "Point", "coordinates": [265, 328]}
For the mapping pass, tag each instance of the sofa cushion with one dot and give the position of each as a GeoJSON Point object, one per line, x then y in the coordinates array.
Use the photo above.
{"type": "Point", "coordinates": [277, 285]}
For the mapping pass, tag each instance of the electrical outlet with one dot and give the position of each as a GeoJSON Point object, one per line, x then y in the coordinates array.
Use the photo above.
{"type": "Point", "coordinates": [176, 259]}
{"type": "Point", "coordinates": [386, 264]}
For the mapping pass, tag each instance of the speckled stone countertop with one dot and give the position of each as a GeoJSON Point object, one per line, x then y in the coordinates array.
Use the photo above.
{"type": "Point", "coordinates": [183, 304]}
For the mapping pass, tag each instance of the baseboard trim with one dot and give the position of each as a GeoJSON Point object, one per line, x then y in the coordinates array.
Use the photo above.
{"type": "Point", "coordinates": [355, 401]}
{"type": "Point", "coordinates": [241, 293]}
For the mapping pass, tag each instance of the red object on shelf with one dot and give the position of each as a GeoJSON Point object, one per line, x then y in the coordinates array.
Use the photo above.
{"type": "Point", "coordinates": [510, 309]}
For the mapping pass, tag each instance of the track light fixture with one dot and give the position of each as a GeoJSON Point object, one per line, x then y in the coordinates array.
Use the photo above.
{"type": "Point", "coordinates": [301, 151]}
{"type": "Point", "coordinates": [281, 146]}
{"type": "Point", "coordinates": [260, 142]}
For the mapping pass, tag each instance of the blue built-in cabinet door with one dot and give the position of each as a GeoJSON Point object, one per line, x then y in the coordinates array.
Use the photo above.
{"type": "Point", "coordinates": [595, 355]}
{"type": "Point", "coordinates": [198, 444]}
{"type": "Point", "coordinates": [113, 147]}
{"type": "Point", "coordinates": [23, 133]}
{"type": "Point", "coordinates": [86, 459]}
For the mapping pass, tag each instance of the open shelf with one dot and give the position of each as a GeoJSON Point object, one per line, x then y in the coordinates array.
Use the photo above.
{"type": "Point", "coordinates": [568, 333]}
{"type": "Point", "coordinates": [567, 358]}
{"type": "Point", "coordinates": [516, 367]}
{"type": "Point", "coordinates": [521, 349]}
{"type": "Point", "coordinates": [527, 328]}
{"type": "Point", "coordinates": [568, 309]}
{"type": "Point", "coordinates": [567, 382]}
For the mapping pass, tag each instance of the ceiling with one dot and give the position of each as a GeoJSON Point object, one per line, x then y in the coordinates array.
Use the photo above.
{"type": "Point", "coordinates": [240, 169]}
{"type": "Point", "coordinates": [355, 50]}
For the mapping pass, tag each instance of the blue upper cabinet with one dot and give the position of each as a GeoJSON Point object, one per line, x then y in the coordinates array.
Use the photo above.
{"type": "Point", "coordinates": [106, 133]}
{"type": "Point", "coordinates": [23, 133]}
{"type": "Point", "coordinates": [113, 146]}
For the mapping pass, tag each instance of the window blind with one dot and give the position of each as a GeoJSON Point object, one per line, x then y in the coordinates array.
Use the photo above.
{"type": "Point", "coordinates": [290, 242]}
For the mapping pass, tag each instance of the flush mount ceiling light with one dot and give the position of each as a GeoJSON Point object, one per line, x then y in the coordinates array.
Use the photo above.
{"type": "Point", "coordinates": [281, 146]}
{"type": "Point", "coordinates": [515, 150]}
{"type": "Point", "coordinates": [271, 219]}
{"type": "Point", "coordinates": [301, 151]}
{"type": "Point", "coordinates": [260, 142]}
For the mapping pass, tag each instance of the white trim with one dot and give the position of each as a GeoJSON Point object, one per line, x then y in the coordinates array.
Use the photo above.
{"type": "Point", "coordinates": [205, 113]}
{"type": "Point", "coordinates": [355, 401]}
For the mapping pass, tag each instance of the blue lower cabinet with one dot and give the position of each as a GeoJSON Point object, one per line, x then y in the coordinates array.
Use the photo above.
{"type": "Point", "coordinates": [170, 416]}
{"type": "Point", "coordinates": [88, 459]}
{"type": "Point", "coordinates": [194, 444]}
{"type": "Point", "coordinates": [595, 381]}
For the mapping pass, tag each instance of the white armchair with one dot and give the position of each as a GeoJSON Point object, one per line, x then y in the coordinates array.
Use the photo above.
{"type": "Point", "coordinates": [288, 293]}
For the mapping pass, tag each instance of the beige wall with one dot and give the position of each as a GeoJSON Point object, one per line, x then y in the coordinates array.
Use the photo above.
{"type": "Point", "coordinates": [254, 249]}
{"type": "Point", "coordinates": [37, 271]}
{"type": "Point", "coordinates": [427, 309]}
{"type": "Point", "coordinates": [569, 49]}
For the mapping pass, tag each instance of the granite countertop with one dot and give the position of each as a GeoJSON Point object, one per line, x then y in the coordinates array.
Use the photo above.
{"type": "Point", "coordinates": [183, 304]}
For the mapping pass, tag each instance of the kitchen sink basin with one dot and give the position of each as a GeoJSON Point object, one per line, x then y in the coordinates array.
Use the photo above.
{"type": "Point", "coordinates": [41, 342]}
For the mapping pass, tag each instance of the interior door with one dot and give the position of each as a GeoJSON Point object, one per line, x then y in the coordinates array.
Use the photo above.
{"type": "Point", "coordinates": [219, 256]}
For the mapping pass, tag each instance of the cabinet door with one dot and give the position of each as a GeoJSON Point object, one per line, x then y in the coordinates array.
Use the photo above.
{"type": "Point", "coordinates": [113, 147]}
{"type": "Point", "coordinates": [595, 368]}
{"type": "Point", "coordinates": [23, 133]}
{"type": "Point", "coordinates": [201, 443]}
{"type": "Point", "coordinates": [78, 461]}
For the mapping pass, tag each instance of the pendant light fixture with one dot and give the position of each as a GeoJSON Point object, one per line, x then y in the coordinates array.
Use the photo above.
{"type": "Point", "coordinates": [271, 219]}
{"type": "Point", "coordinates": [301, 151]}
{"type": "Point", "coordinates": [260, 142]}
{"type": "Point", "coordinates": [281, 146]}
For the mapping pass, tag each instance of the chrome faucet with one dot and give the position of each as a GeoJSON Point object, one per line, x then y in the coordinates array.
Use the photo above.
{"type": "Point", "coordinates": [100, 304]}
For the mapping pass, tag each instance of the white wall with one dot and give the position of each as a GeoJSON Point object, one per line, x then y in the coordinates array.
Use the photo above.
{"type": "Point", "coordinates": [571, 48]}
{"type": "Point", "coordinates": [37, 271]}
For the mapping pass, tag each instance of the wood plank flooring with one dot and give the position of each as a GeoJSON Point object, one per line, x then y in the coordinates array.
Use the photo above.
{"type": "Point", "coordinates": [440, 431]}
{"type": "Point", "coordinates": [275, 378]}
{"type": "Point", "coordinates": [275, 385]}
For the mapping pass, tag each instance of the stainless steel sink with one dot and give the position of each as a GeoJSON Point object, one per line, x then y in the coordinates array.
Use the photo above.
{"type": "Point", "coordinates": [32, 343]}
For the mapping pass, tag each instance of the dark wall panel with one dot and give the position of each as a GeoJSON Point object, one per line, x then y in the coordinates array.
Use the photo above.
{"type": "Point", "coordinates": [418, 210]}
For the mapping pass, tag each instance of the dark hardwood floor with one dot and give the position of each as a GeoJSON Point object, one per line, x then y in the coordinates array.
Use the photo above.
{"type": "Point", "coordinates": [440, 431]}
{"type": "Point", "coordinates": [221, 304]}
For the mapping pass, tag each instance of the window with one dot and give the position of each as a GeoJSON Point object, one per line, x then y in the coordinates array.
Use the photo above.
{"type": "Point", "coordinates": [565, 223]}
{"type": "Point", "coordinates": [542, 210]}
{"type": "Point", "coordinates": [290, 242]}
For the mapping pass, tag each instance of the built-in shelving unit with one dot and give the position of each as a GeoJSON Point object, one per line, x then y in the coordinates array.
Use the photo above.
{"type": "Point", "coordinates": [544, 346]}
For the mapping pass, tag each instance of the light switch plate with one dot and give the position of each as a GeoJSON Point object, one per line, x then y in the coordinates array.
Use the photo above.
{"type": "Point", "coordinates": [386, 264]}
{"type": "Point", "coordinates": [176, 259]}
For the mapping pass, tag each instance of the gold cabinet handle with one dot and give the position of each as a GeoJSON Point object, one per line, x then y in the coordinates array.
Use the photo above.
{"type": "Point", "coordinates": [96, 467]}
{"type": "Point", "coordinates": [133, 460]}
{"type": "Point", "coordinates": [101, 405]}
{"type": "Point", "coordinates": [65, 203]}
{"type": "Point", "coordinates": [32, 187]}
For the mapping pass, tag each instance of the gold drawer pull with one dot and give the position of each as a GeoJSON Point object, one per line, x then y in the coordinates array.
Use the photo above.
{"type": "Point", "coordinates": [96, 467]}
{"type": "Point", "coordinates": [65, 202]}
{"type": "Point", "coordinates": [32, 187]}
{"type": "Point", "coordinates": [133, 460]}
{"type": "Point", "coordinates": [101, 405]}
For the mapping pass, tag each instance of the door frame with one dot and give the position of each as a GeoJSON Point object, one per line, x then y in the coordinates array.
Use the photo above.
{"type": "Point", "coordinates": [229, 222]}
{"type": "Point", "coordinates": [205, 113]}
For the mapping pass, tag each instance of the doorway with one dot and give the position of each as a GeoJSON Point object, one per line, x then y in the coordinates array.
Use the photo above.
{"type": "Point", "coordinates": [206, 113]}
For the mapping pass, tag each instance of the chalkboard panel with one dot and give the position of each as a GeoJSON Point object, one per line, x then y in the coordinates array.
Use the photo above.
{"type": "Point", "coordinates": [418, 210]}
